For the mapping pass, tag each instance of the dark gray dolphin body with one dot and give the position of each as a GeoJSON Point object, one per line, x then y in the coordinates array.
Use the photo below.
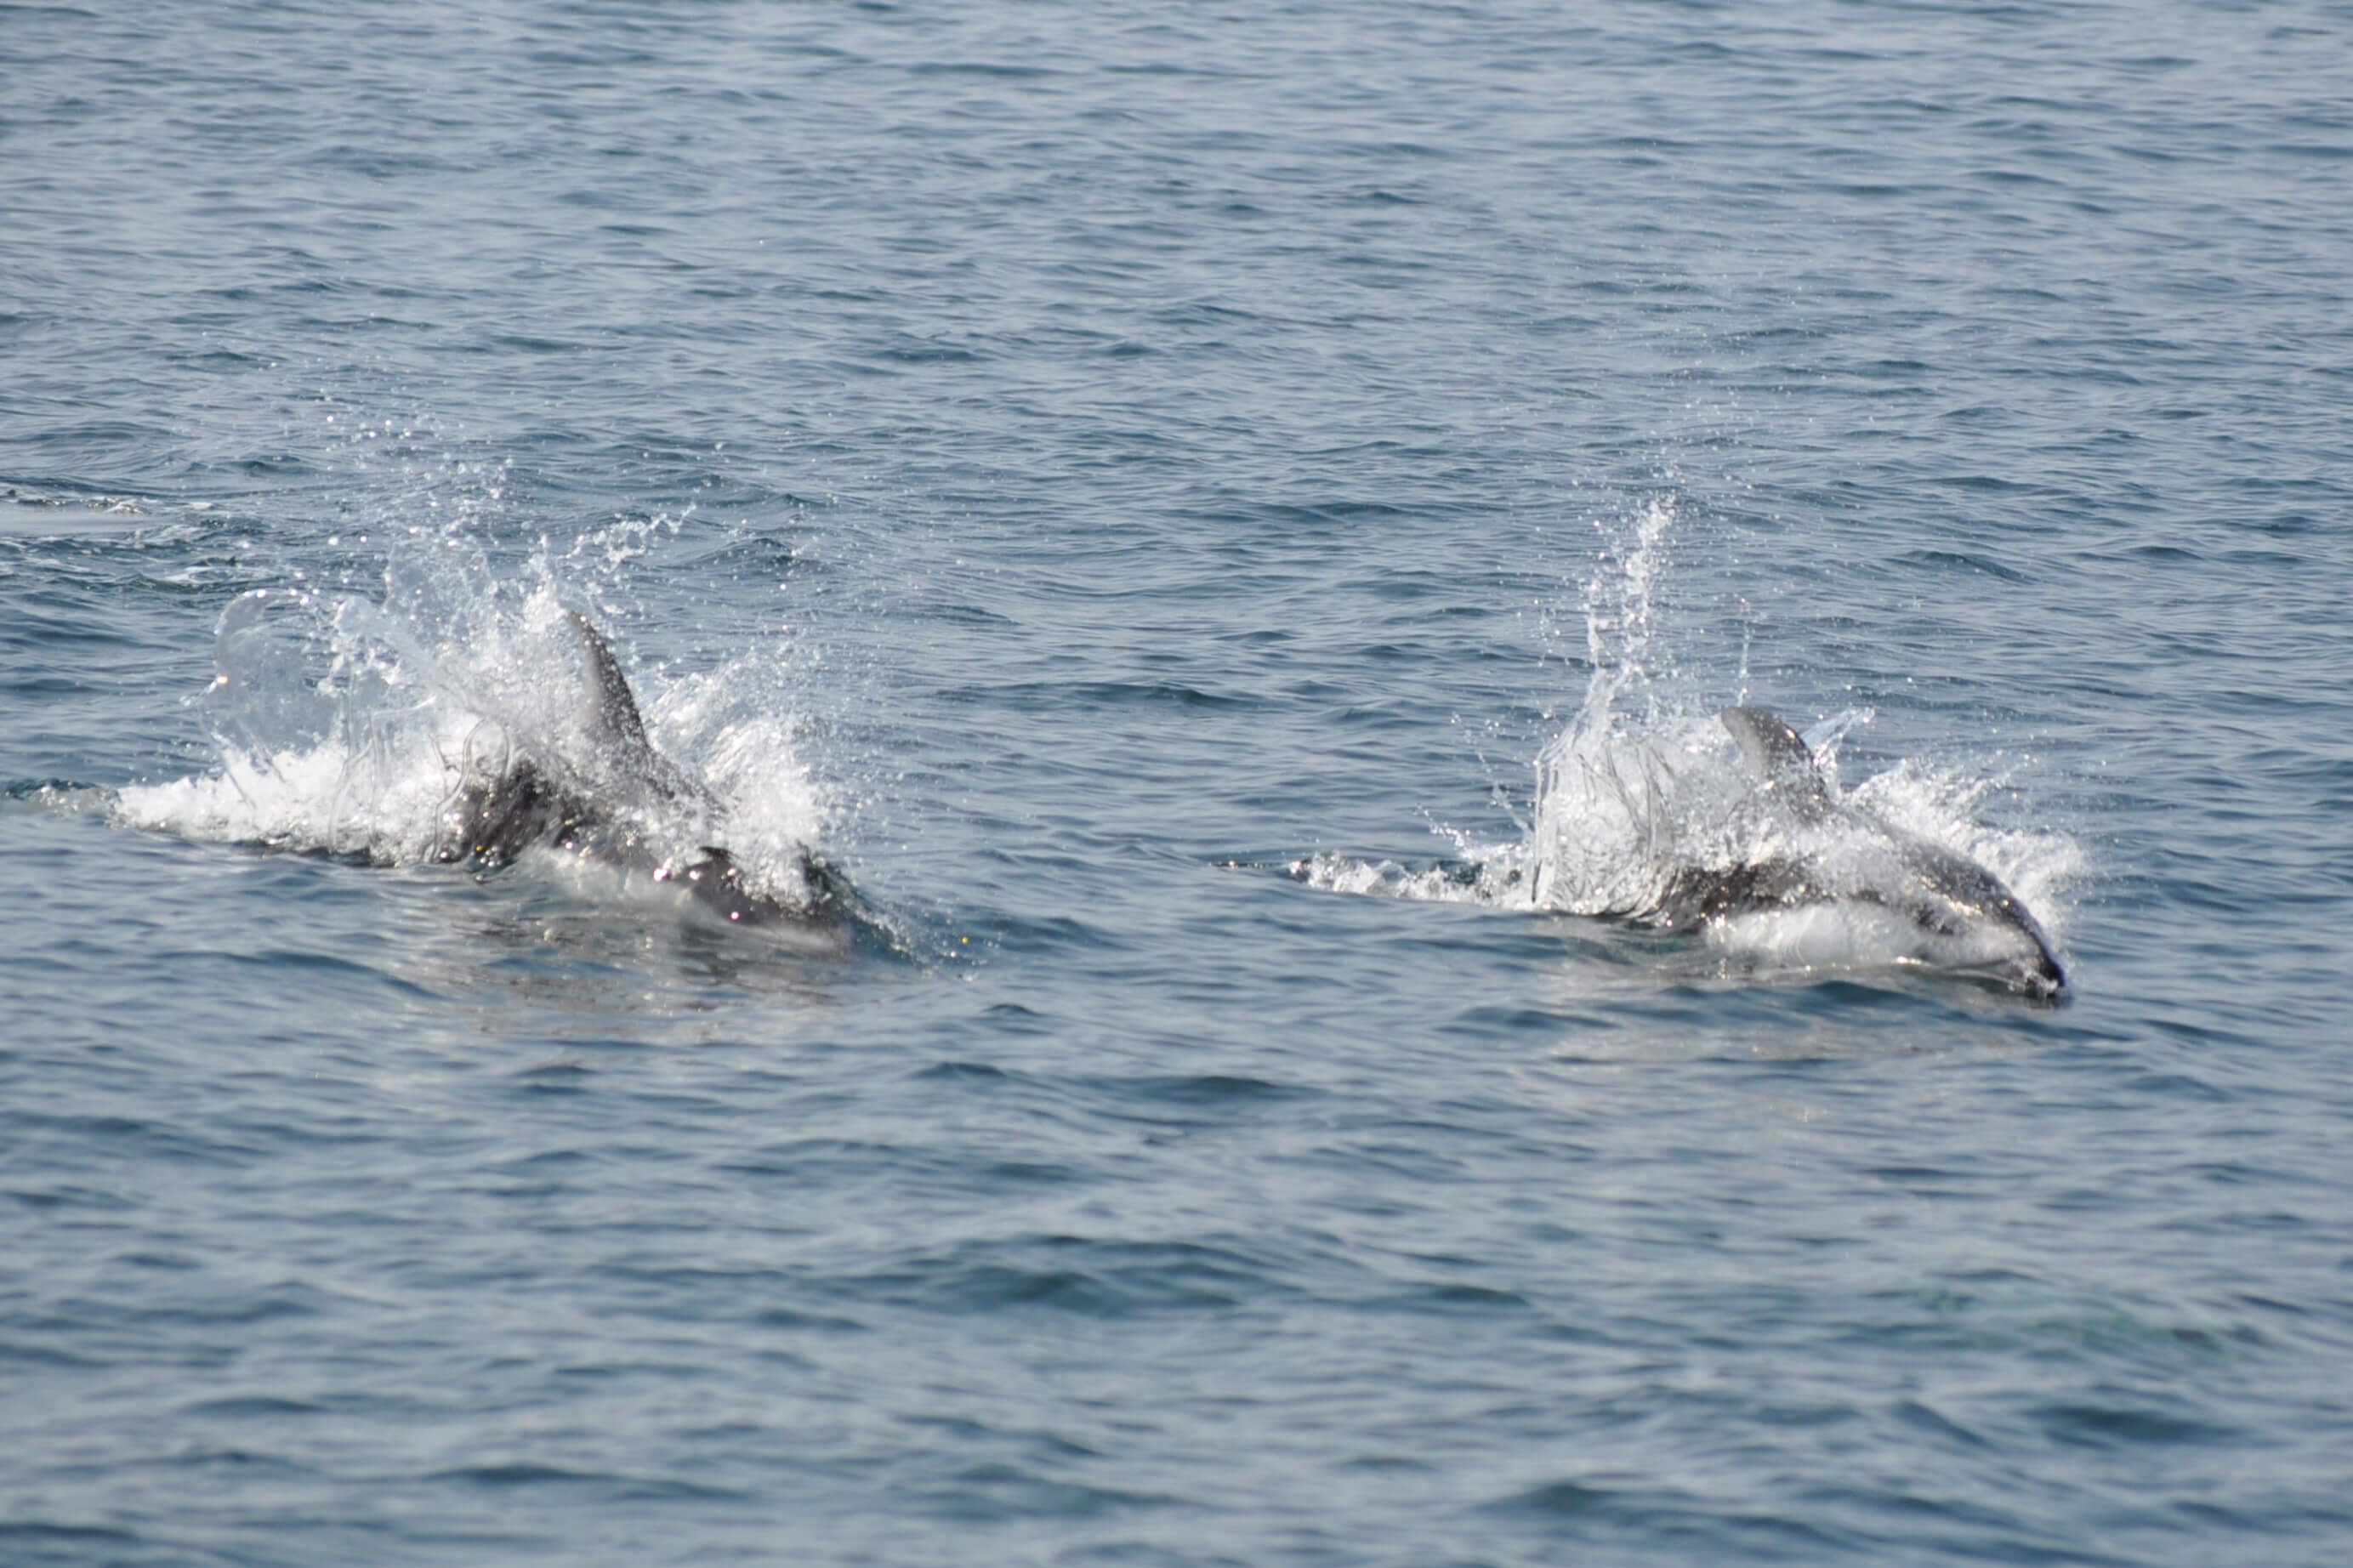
{"type": "Point", "coordinates": [1959, 914]}
{"type": "Point", "coordinates": [596, 805]}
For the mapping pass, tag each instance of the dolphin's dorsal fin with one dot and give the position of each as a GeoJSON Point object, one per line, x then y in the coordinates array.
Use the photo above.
{"type": "Point", "coordinates": [610, 713]}
{"type": "Point", "coordinates": [1778, 757]}
{"type": "Point", "coordinates": [613, 725]}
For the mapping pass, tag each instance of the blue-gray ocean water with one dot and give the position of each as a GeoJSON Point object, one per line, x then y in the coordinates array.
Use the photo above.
{"type": "Point", "coordinates": [1131, 491]}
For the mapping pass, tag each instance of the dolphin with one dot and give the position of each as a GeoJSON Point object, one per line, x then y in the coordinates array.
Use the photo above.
{"type": "Point", "coordinates": [597, 803]}
{"type": "Point", "coordinates": [1848, 878]}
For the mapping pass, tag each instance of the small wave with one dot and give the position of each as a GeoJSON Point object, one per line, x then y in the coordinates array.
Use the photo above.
{"type": "Point", "coordinates": [61, 795]}
{"type": "Point", "coordinates": [1075, 1275]}
{"type": "Point", "coordinates": [1497, 877]}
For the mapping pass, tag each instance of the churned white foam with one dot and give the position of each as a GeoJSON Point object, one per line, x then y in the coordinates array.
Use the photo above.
{"type": "Point", "coordinates": [751, 758]}
{"type": "Point", "coordinates": [1470, 881]}
{"type": "Point", "coordinates": [322, 800]}
{"type": "Point", "coordinates": [1620, 813]}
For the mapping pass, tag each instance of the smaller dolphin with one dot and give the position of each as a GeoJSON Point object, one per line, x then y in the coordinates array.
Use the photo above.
{"type": "Point", "coordinates": [1859, 883]}
{"type": "Point", "coordinates": [597, 804]}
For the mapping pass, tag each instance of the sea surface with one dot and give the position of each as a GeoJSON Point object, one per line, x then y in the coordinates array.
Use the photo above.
{"type": "Point", "coordinates": [1137, 492]}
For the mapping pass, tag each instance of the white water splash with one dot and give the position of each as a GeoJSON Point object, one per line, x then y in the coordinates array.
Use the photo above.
{"type": "Point", "coordinates": [1645, 786]}
{"type": "Point", "coordinates": [349, 727]}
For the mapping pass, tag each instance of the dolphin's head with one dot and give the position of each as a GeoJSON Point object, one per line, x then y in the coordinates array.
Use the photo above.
{"type": "Point", "coordinates": [1971, 923]}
